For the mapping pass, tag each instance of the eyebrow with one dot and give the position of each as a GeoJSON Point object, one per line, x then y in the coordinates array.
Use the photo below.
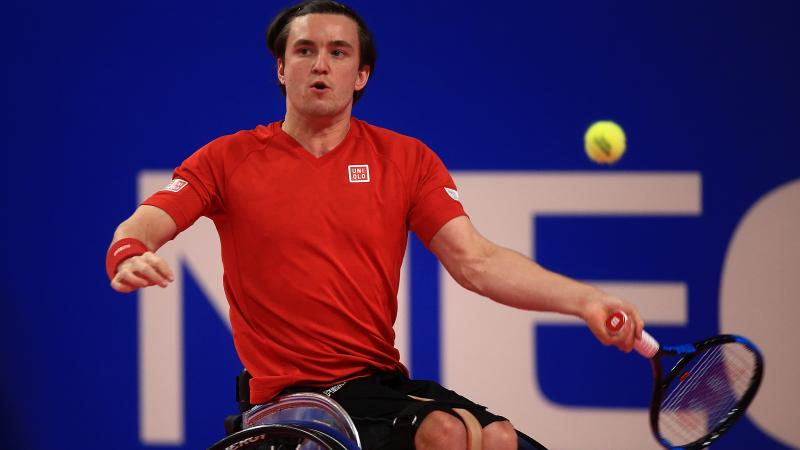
{"type": "Point", "coordinates": [335, 43]}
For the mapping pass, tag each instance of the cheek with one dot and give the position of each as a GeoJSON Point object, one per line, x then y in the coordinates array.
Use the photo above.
{"type": "Point", "coordinates": [291, 78]}
{"type": "Point", "coordinates": [352, 78]}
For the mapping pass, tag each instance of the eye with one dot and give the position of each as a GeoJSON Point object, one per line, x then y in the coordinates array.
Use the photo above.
{"type": "Point", "coordinates": [303, 51]}
{"type": "Point", "coordinates": [338, 52]}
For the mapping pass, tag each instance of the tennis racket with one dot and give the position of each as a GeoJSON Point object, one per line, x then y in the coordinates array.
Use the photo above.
{"type": "Point", "coordinates": [706, 391]}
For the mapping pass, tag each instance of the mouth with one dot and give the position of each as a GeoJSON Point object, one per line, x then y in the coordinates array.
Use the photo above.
{"type": "Point", "coordinates": [319, 86]}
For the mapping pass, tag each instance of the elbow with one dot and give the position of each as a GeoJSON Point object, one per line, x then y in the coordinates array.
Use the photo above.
{"type": "Point", "coordinates": [467, 256]}
{"type": "Point", "coordinates": [470, 278]}
{"type": "Point", "coordinates": [474, 271]}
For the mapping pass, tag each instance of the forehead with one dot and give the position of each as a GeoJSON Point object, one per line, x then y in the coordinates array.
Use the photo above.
{"type": "Point", "coordinates": [323, 28]}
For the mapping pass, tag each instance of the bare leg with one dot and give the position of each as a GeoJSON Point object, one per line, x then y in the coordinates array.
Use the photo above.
{"type": "Point", "coordinates": [499, 436]}
{"type": "Point", "coordinates": [441, 431]}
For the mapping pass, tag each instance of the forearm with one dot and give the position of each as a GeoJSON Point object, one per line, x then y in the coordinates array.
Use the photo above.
{"type": "Point", "coordinates": [130, 266]}
{"type": "Point", "coordinates": [148, 224]}
{"type": "Point", "coordinates": [513, 279]}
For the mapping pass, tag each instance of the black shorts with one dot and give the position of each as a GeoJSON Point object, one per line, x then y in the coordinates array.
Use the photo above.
{"type": "Point", "coordinates": [386, 417]}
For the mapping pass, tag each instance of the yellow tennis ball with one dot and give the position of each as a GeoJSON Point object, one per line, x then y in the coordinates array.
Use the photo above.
{"type": "Point", "coordinates": [605, 142]}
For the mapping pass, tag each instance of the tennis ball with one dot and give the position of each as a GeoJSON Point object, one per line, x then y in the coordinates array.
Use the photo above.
{"type": "Point", "coordinates": [605, 142]}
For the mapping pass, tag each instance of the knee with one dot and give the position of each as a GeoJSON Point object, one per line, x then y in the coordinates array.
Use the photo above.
{"type": "Point", "coordinates": [440, 430]}
{"type": "Point", "coordinates": [499, 436]}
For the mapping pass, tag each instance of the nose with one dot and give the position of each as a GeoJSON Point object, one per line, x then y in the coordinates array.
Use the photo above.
{"type": "Point", "coordinates": [321, 64]}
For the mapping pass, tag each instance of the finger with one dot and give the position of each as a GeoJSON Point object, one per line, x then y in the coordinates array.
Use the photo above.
{"type": "Point", "coordinates": [630, 337]}
{"type": "Point", "coordinates": [152, 276]}
{"type": "Point", "coordinates": [121, 286]}
{"type": "Point", "coordinates": [160, 266]}
{"type": "Point", "coordinates": [143, 267]}
{"type": "Point", "coordinates": [622, 334]}
{"type": "Point", "coordinates": [621, 343]}
{"type": "Point", "coordinates": [132, 279]}
{"type": "Point", "coordinates": [600, 333]}
{"type": "Point", "coordinates": [636, 322]}
{"type": "Point", "coordinates": [621, 339]}
{"type": "Point", "coordinates": [613, 326]}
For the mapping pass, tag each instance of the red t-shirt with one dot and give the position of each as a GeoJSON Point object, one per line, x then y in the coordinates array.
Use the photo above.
{"type": "Point", "coordinates": [312, 247]}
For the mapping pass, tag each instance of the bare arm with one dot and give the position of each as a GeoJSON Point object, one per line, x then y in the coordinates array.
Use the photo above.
{"type": "Point", "coordinates": [154, 228]}
{"type": "Point", "coordinates": [512, 279]}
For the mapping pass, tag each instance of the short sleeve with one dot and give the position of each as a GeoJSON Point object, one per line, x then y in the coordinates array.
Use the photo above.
{"type": "Point", "coordinates": [194, 189]}
{"type": "Point", "coordinates": [434, 199]}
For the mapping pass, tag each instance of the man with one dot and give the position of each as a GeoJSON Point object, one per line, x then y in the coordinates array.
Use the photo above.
{"type": "Point", "coordinates": [313, 214]}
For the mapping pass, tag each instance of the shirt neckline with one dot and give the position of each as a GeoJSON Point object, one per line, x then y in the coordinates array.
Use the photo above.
{"type": "Point", "coordinates": [331, 155]}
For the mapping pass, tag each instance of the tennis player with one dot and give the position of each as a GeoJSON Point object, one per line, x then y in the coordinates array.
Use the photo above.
{"type": "Point", "coordinates": [313, 213]}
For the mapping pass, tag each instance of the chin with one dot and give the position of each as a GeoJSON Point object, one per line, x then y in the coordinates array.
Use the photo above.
{"type": "Point", "coordinates": [323, 109]}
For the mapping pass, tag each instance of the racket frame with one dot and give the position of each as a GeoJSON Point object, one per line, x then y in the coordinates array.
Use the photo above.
{"type": "Point", "coordinates": [687, 353]}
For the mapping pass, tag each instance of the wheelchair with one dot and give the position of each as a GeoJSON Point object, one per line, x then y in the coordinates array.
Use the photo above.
{"type": "Point", "coordinates": [304, 421]}
{"type": "Point", "coordinates": [297, 421]}
{"type": "Point", "coordinates": [301, 421]}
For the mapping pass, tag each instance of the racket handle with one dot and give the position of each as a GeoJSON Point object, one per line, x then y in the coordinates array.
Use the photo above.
{"type": "Point", "coordinates": [647, 346]}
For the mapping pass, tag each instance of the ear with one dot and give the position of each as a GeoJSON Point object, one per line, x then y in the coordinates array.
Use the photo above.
{"type": "Point", "coordinates": [362, 78]}
{"type": "Point", "coordinates": [281, 76]}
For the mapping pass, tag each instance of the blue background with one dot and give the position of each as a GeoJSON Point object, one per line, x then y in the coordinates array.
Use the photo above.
{"type": "Point", "coordinates": [94, 92]}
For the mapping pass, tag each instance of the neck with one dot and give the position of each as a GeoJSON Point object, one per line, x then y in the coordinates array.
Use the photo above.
{"type": "Point", "coordinates": [317, 134]}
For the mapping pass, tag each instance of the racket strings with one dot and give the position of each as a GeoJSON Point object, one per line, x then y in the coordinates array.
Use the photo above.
{"type": "Point", "coordinates": [696, 374]}
{"type": "Point", "coordinates": [706, 392]}
{"type": "Point", "coordinates": [680, 420]}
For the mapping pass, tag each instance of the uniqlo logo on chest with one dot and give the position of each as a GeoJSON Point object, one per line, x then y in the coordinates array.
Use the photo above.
{"type": "Point", "coordinates": [359, 173]}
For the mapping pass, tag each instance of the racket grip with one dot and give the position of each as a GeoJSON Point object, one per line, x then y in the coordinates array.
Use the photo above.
{"type": "Point", "coordinates": [647, 346]}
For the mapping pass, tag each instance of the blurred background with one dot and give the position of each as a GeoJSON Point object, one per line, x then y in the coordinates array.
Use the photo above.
{"type": "Point", "coordinates": [698, 222]}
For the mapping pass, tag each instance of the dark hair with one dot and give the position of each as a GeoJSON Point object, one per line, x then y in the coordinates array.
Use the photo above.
{"type": "Point", "coordinates": [278, 32]}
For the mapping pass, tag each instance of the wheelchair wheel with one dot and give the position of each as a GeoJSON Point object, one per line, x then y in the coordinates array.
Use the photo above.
{"type": "Point", "coordinates": [285, 436]}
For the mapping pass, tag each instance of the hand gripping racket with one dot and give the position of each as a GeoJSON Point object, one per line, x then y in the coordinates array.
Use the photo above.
{"type": "Point", "coordinates": [707, 390]}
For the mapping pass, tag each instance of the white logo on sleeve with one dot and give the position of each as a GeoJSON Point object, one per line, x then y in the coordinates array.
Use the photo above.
{"type": "Point", "coordinates": [452, 193]}
{"type": "Point", "coordinates": [176, 185]}
{"type": "Point", "coordinates": [359, 173]}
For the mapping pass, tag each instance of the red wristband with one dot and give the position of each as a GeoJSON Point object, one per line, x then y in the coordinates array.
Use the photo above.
{"type": "Point", "coordinates": [120, 251]}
